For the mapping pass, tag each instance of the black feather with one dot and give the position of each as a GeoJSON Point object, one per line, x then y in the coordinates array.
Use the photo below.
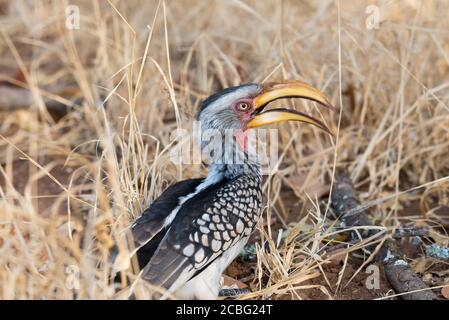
{"type": "Point", "coordinates": [148, 229]}
{"type": "Point", "coordinates": [163, 269]}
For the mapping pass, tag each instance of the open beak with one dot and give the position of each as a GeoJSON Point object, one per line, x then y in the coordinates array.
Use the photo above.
{"type": "Point", "coordinates": [286, 89]}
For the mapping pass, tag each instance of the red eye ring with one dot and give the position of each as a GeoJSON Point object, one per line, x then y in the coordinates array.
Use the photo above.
{"type": "Point", "coordinates": [243, 106]}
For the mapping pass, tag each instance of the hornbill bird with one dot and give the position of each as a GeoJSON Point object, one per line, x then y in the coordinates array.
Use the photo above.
{"type": "Point", "coordinates": [197, 227]}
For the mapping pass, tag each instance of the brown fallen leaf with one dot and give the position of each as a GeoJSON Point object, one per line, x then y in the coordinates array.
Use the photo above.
{"type": "Point", "coordinates": [228, 282]}
{"type": "Point", "coordinates": [336, 257]}
{"type": "Point", "coordinates": [445, 291]}
{"type": "Point", "coordinates": [300, 183]}
{"type": "Point", "coordinates": [420, 265]}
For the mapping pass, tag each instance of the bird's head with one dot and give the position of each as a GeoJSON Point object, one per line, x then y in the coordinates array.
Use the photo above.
{"type": "Point", "coordinates": [244, 107]}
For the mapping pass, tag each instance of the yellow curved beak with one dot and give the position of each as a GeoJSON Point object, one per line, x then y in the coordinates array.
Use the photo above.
{"type": "Point", "coordinates": [286, 89]}
{"type": "Point", "coordinates": [282, 115]}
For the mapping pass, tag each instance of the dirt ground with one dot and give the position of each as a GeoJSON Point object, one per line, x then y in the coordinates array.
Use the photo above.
{"type": "Point", "coordinates": [338, 275]}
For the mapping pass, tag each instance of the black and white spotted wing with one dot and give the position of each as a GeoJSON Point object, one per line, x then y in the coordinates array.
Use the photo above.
{"type": "Point", "coordinates": [206, 226]}
{"type": "Point", "coordinates": [148, 230]}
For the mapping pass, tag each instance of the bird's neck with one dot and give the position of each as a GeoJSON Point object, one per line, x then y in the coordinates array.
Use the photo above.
{"type": "Point", "coordinates": [236, 163]}
{"type": "Point", "coordinates": [231, 156]}
{"type": "Point", "coordinates": [235, 170]}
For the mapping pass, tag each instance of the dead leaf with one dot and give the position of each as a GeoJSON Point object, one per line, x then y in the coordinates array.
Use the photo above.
{"type": "Point", "coordinates": [336, 257]}
{"type": "Point", "coordinates": [420, 266]}
{"type": "Point", "coordinates": [427, 278]}
{"type": "Point", "coordinates": [301, 184]}
{"type": "Point", "coordinates": [231, 283]}
{"type": "Point", "coordinates": [445, 291]}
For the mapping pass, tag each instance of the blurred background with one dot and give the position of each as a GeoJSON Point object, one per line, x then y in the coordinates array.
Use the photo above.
{"type": "Point", "coordinates": [90, 92]}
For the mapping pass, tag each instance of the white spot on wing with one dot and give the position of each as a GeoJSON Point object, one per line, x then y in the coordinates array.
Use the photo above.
{"type": "Point", "coordinates": [199, 255]}
{"type": "Point", "coordinates": [205, 240]}
{"type": "Point", "coordinates": [216, 245]}
{"type": "Point", "coordinates": [239, 226]}
{"type": "Point", "coordinates": [188, 251]}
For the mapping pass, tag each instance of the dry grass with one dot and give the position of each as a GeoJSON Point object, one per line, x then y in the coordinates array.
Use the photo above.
{"type": "Point", "coordinates": [70, 188]}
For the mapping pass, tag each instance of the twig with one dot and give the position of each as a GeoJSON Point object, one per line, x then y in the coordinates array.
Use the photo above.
{"type": "Point", "coordinates": [398, 234]}
{"type": "Point", "coordinates": [410, 232]}
{"type": "Point", "coordinates": [397, 270]}
{"type": "Point", "coordinates": [13, 98]}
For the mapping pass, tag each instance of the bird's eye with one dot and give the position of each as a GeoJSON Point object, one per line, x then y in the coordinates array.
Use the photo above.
{"type": "Point", "coordinates": [243, 106]}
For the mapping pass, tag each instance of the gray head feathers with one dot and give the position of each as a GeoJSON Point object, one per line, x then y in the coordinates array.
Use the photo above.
{"type": "Point", "coordinates": [215, 112]}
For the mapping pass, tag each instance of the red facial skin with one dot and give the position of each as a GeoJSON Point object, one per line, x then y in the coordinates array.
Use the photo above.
{"type": "Point", "coordinates": [245, 115]}
{"type": "Point", "coordinates": [241, 135]}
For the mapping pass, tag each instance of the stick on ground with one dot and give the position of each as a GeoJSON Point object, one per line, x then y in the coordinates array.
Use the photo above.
{"type": "Point", "coordinates": [398, 272]}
